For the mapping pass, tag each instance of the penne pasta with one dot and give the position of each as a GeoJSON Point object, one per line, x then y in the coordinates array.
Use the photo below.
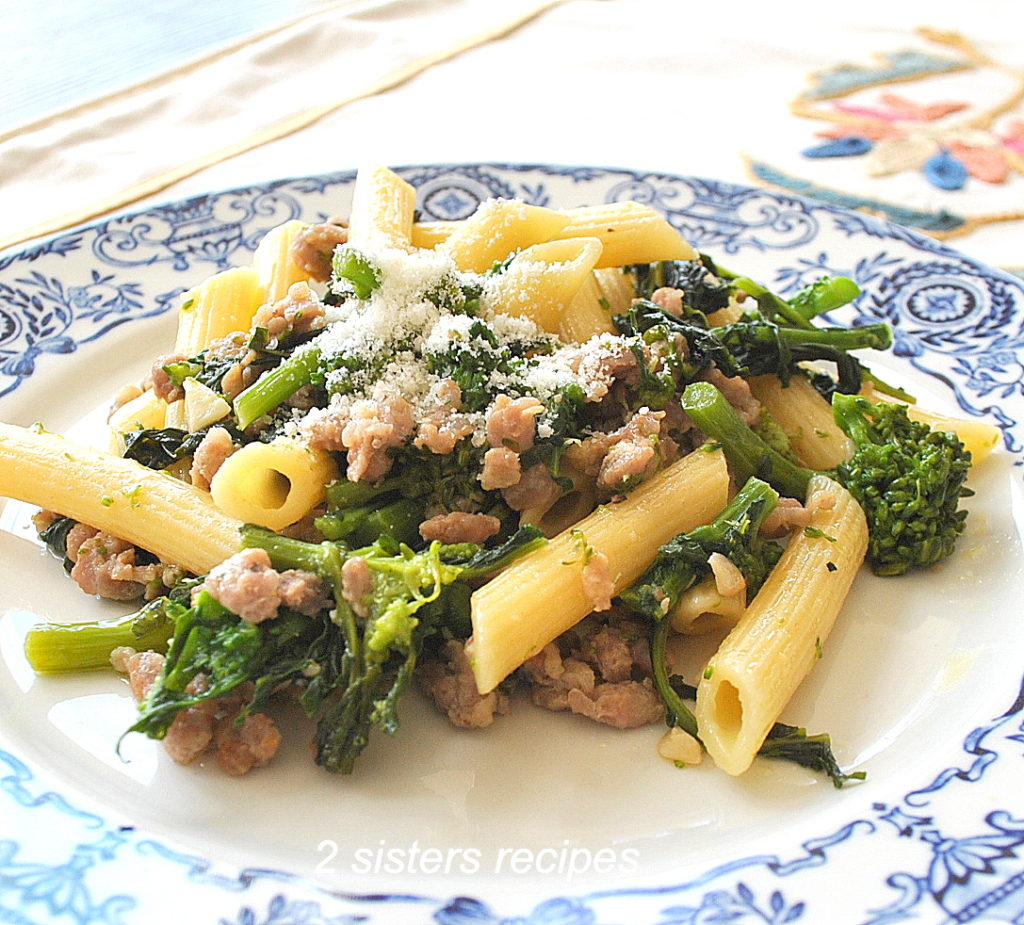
{"type": "Point", "coordinates": [382, 210]}
{"type": "Point", "coordinates": [223, 304]}
{"type": "Point", "coordinates": [542, 280]}
{"type": "Point", "coordinates": [806, 418]}
{"type": "Point", "coordinates": [274, 263]}
{"type": "Point", "coordinates": [500, 227]}
{"type": "Point", "coordinates": [272, 484]}
{"type": "Point", "coordinates": [630, 232]}
{"type": "Point", "coordinates": [542, 595]}
{"type": "Point", "coordinates": [586, 315]}
{"type": "Point", "coordinates": [151, 509]}
{"type": "Point", "coordinates": [762, 661]}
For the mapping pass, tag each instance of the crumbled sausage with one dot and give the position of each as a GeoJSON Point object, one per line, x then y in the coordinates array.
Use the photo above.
{"type": "Point", "coordinates": [242, 747]}
{"type": "Point", "coordinates": [313, 248]}
{"type": "Point", "coordinates": [598, 585]}
{"type": "Point", "coordinates": [536, 489]}
{"type": "Point", "coordinates": [448, 680]}
{"type": "Point", "coordinates": [512, 423]}
{"type": "Point", "coordinates": [161, 383]}
{"type": "Point", "coordinates": [303, 592]}
{"type": "Point", "coordinates": [737, 392]}
{"type": "Point", "coordinates": [246, 584]}
{"type": "Point", "coordinates": [299, 312]}
{"type": "Point", "coordinates": [624, 705]}
{"type": "Point", "coordinates": [373, 429]}
{"type": "Point", "coordinates": [356, 583]}
{"type": "Point", "coordinates": [214, 448]}
{"type": "Point", "coordinates": [458, 527]}
{"type": "Point", "coordinates": [669, 299]}
{"type": "Point", "coordinates": [501, 469]}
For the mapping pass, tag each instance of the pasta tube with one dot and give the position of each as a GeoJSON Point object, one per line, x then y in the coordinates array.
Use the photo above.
{"type": "Point", "coordinates": [542, 280]}
{"type": "Point", "coordinates": [274, 263]}
{"type": "Point", "coordinates": [224, 303]}
{"type": "Point", "coordinates": [586, 315]}
{"type": "Point", "coordinates": [272, 484]}
{"type": "Point", "coordinates": [498, 228]}
{"type": "Point", "coordinates": [382, 210]}
{"type": "Point", "coordinates": [542, 595]}
{"type": "Point", "coordinates": [761, 663]}
{"type": "Point", "coordinates": [151, 509]}
{"type": "Point", "coordinates": [630, 232]}
{"type": "Point", "coordinates": [806, 418]}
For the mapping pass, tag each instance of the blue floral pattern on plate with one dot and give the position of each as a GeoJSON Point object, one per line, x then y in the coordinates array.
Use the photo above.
{"type": "Point", "coordinates": [942, 852]}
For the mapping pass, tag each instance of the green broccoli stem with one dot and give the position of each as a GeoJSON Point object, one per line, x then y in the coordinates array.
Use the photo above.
{"type": "Point", "coordinates": [52, 647]}
{"type": "Point", "coordinates": [868, 336]}
{"type": "Point", "coordinates": [344, 494]}
{"type": "Point", "coordinates": [825, 295]}
{"type": "Point", "coordinates": [354, 266]}
{"type": "Point", "coordinates": [678, 713]}
{"type": "Point", "coordinates": [772, 306]}
{"type": "Point", "coordinates": [277, 386]}
{"type": "Point", "coordinates": [360, 526]}
{"type": "Point", "coordinates": [747, 453]}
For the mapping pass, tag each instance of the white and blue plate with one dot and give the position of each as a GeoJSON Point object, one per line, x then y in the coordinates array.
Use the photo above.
{"type": "Point", "coordinates": [541, 819]}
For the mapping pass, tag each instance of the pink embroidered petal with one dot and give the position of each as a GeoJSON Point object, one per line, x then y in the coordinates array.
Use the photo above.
{"type": "Point", "coordinates": [851, 110]}
{"type": "Point", "coordinates": [873, 131]}
{"type": "Point", "coordinates": [937, 110]}
{"type": "Point", "coordinates": [988, 164]}
{"type": "Point", "coordinates": [918, 112]}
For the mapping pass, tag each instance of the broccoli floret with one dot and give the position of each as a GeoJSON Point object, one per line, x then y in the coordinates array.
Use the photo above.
{"type": "Point", "coordinates": [908, 478]}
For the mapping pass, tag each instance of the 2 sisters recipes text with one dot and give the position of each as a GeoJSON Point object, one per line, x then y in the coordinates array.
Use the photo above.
{"type": "Point", "coordinates": [524, 450]}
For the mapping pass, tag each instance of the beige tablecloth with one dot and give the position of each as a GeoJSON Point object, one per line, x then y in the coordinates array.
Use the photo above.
{"type": "Point", "coordinates": [730, 90]}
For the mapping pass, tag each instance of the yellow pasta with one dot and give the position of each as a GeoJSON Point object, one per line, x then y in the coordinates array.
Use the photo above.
{"type": "Point", "coordinates": [222, 304]}
{"type": "Point", "coordinates": [274, 263]}
{"type": "Point", "coordinates": [542, 280]}
{"type": "Point", "coordinates": [806, 417]}
{"type": "Point", "coordinates": [151, 509]}
{"type": "Point", "coordinates": [145, 411]}
{"type": "Point", "coordinates": [542, 595]}
{"type": "Point", "coordinates": [630, 232]}
{"type": "Point", "coordinates": [756, 670]}
{"type": "Point", "coordinates": [272, 484]}
{"type": "Point", "coordinates": [704, 608]}
{"type": "Point", "coordinates": [616, 288]}
{"type": "Point", "coordinates": [498, 228]}
{"type": "Point", "coordinates": [429, 235]}
{"type": "Point", "coordinates": [382, 210]}
{"type": "Point", "coordinates": [586, 315]}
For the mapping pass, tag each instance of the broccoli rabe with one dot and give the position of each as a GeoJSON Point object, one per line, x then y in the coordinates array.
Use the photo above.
{"type": "Point", "coordinates": [752, 346]}
{"type": "Point", "coordinates": [908, 478]}
{"type": "Point", "coordinates": [351, 669]}
{"type": "Point", "coordinates": [683, 562]}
